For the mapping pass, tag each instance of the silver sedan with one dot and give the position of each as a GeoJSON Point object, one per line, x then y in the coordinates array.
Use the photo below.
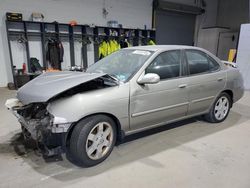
{"type": "Point", "coordinates": [129, 91]}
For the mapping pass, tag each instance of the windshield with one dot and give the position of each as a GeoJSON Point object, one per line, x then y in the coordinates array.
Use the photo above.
{"type": "Point", "coordinates": [122, 64]}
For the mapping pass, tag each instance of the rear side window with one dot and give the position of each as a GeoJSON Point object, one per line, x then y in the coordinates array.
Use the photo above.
{"type": "Point", "coordinates": [199, 62]}
{"type": "Point", "coordinates": [166, 65]}
{"type": "Point", "coordinates": [213, 65]}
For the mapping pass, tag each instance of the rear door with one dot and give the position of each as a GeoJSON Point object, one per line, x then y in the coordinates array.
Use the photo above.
{"type": "Point", "coordinates": [205, 80]}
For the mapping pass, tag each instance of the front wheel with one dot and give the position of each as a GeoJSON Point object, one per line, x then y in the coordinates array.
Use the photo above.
{"type": "Point", "coordinates": [92, 140]}
{"type": "Point", "coordinates": [220, 109]}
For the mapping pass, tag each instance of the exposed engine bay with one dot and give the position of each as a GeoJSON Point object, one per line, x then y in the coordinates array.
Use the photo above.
{"type": "Point", "coordinates": [35, 118]}
{"type": "Point", "coordinates": [98, 83]}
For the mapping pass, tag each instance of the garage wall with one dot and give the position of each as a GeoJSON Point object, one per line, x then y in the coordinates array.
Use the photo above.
{"type": "Point", "coordinates": [130, 13]}
{"type": "Point", "coordinates": [233, 13]}
{"type": "Point", "coordinates": [209, 18]}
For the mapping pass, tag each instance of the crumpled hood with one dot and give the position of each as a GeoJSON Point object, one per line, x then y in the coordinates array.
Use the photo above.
{"type": "Point", "coordinates": [50, 84]}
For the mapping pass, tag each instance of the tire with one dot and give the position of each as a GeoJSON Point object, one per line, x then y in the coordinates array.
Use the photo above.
{"type": "Point", "coordinates": [92, 140]}
{"type": "Point", "coordinates": [219, 113]}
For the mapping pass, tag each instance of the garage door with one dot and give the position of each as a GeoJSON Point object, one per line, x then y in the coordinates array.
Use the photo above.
{"type": "Point", "coordinates": [174, 27]}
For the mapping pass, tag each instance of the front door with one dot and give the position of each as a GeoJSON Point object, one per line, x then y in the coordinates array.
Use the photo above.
{"type": "Point", "coordinates": [153, 104]}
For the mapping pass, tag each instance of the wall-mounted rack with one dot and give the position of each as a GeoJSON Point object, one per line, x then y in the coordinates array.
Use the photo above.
{"type": "Point", "coordinates": [42, 31]}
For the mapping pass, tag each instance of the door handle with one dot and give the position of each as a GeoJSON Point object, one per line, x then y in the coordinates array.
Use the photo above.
{"type": "Point", "coordinates": [182, 86]}
{"type": "Point", "coordinates": [220, 79]}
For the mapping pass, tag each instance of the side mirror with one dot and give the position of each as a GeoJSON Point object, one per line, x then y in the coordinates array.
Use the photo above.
{"type": "Point", "coordinates": [150, 78]}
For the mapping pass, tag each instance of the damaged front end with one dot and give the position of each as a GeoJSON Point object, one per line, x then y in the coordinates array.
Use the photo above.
{"type": "Point", "coordinates": [39, 125]}
{"type": "Point", "coordinates": [31, 107]}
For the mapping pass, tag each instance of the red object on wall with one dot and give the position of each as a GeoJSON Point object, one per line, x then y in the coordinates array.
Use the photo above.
{"type": "Point", "coordinates": [24, 68]}
{"type": "Point", "coordinates": [73, 23]}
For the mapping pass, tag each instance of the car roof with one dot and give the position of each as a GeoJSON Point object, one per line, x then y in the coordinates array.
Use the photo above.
{"type": "Point", "coordinates": [163, 47]}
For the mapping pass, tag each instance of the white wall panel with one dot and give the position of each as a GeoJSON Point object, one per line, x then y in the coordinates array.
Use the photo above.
{"type": "Point", "coordinates": [78, 53]}
{"type": "Point", "coordinates": [243, 56]}
{"type": "Point", "coordinates": [36, 51]}
{"type": "Point", "coordinates": [66, 58]}
{"type": "Point", "coordinates": [18, 53]}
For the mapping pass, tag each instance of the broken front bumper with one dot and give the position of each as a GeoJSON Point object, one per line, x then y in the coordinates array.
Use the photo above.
{"type": "Point", "coordinates": [52, 123]}
{"type": "Point", "coordinates": [45, 128]}
{"type": "Point", "coordinates": [33, 125]}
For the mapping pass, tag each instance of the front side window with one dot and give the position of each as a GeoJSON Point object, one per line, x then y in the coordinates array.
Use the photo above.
{"type": "Point", "coordinates": [166, 65]}
{"type": "Point", "coordinates": [199, 62]}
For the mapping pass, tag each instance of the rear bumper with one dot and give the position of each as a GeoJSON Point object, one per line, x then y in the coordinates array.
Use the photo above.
{"type": "Point", "coordinates": [238, 88]}
{"type": "Point", "coordinates": [238, 94]}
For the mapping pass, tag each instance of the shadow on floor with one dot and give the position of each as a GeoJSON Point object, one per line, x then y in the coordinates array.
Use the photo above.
{"type": "Point", "coordinates": [151, 142]}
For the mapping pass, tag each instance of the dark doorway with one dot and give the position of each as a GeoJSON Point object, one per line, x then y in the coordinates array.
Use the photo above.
{"type": "Point", "coordinates": [174, 27]}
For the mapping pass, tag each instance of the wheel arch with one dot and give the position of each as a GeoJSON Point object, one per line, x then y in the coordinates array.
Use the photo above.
{"type": "Point", "coordinates": [120, 132]}
{"type": "Point", "coordinates": [230, 93]}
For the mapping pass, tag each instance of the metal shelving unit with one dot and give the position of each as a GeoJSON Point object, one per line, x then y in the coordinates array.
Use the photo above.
{"type": "Point", "coordinates": [42, 31]}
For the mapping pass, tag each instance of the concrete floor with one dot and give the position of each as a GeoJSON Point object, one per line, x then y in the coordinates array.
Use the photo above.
{"type": "Point", "coordinates": [195, 154]}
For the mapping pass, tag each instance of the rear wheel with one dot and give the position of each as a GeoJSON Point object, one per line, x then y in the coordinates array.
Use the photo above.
{"type": "Point", "coordinates": [92, 140]}
{"type": "Point", "coordinates": [220, 109]}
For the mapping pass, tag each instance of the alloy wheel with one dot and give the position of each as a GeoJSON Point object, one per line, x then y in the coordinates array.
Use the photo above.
{"type": "Point", "coordinates": [221, 108]}
{"type": "Point", "coordinates": [99, 140]}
